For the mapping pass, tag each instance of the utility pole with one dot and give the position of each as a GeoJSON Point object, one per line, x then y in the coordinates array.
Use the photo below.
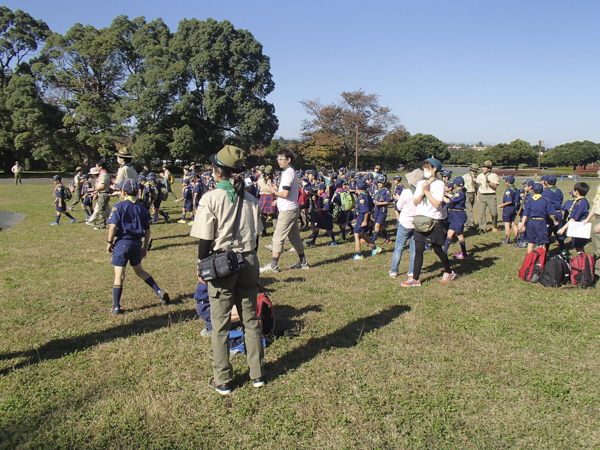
{"type": "Point", "coordinates": [356, 164]}
{"type": "Point", "coordinates": [539, 155]}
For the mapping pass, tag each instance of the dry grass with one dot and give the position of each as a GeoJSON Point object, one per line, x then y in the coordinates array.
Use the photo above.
{"type": "Point", "coordinates": [486, 362]}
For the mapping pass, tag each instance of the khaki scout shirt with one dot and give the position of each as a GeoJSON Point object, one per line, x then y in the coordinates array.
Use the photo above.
{"type": "Point", "coordinates": [215, 219]}
{"type": "Point", "coordinates": [596, 204]}
{"type": "Point", "coordinates": [483, 180]}
{"type": "Point", "coordinates": [126, 171]}
{"type": "Point", "coordinates": [263, 187]}
{"type": "Point", "coordinates": [469, 183]}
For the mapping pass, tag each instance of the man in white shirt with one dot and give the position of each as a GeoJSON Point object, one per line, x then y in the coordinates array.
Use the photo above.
{"type": "Point", "coordinates": [286, 197]}
{"type": "Point", "coordinates": [488, 182]}
{"type": "Point", "coordinates": [17, 169]}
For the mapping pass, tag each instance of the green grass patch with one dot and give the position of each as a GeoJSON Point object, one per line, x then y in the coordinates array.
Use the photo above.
{"type": "Point", "coordinates": [485, 362]}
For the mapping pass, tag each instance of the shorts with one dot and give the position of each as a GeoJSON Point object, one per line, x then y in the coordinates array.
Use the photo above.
{"type": "Point", "coordinates": [358, 228]}
{"type": "Point", "coordinates": [87, 201]}
{"type": "Point", "coordinates": [157, 203]}
{"type": "Point", "coordinates": [435, 236]}
{"type": "Point", "coordinates": [61, 208]}
{"type": "Point", "coordinates": [380, 218]}
{"type": "Point", "coordinates": [508, 214]}
{"type": "Point", "coordinates": [323, 223]}
{"type": "Point", "coordinates": [188, 206]}
{"type": "Point", "coordinates": [457, 221]}
{"type": "Point", "coordinates": [536, 232]}
{"type": "Point", "coordinates": [127, 250]}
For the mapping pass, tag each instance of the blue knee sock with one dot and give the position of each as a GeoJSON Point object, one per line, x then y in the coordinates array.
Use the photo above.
{"type": "Point", "coordinates": [57, 219]}
{"type": "Point", "coordinates": [375, 236]}
{"type": "Point", "coordinates": [155, 217]}
{"type": "Point", "coordinates": [117, 291]}
{"type": "Point", "coordinates": [447, 244]}
{"type": "Point", "coordinates": [463, 247]}
{"type": "Point", "coordinates": [150, 282]}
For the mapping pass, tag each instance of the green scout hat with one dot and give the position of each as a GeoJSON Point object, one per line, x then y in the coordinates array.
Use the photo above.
{"type": "Point", "coordinates": [124, 153]}
{"type": "Point", "coordinates": [474, 167]}
{"type": "Point", "coordinates": [230, 158]}
{"type": "Point", "coordinates": [268, 169]}
{"type": "Point", "coordinates": [487, 163]}
{"type": "Point", "coordinates": [78, 168]}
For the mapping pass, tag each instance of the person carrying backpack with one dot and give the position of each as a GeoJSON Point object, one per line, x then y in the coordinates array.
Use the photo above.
{"type": "Point", "coordinates": [62, 196]}
{"type": "Point", "coordinates": [341, 215]}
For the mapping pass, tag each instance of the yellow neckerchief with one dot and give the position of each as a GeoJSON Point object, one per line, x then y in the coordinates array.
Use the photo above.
{"type": "Point", "coordinates": [572, 206]}
{"type": "Point", "coordinates": [536, 196]}
{"type": "Point", "coordinates": [131, 198]}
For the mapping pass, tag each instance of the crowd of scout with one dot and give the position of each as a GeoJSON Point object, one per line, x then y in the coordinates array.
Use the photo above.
{"type": "Point", "coordinates": [431, 210]}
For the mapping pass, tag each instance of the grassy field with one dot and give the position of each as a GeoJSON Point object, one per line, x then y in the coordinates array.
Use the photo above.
{"type": "Point", "coordinates": [485, 362]}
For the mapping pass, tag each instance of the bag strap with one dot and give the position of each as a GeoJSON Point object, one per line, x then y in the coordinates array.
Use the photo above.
{"type": "Point", "coordinates": [236, 222]}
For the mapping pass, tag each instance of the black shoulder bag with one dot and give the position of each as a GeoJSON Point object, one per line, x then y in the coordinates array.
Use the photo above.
{"type": "Point", "coordinates": [224, 263]}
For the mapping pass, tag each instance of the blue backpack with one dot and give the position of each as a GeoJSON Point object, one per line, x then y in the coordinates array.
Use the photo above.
{"type": "Point", "coordinates": [236, 342]}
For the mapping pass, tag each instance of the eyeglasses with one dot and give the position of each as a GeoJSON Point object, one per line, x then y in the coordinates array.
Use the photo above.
{"type": "Point", "coordinates": [281, 159]}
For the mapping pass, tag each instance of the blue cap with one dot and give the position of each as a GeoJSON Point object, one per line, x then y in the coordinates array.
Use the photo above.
{"type": "Point", "coordinates": [321, 186]}
{"type": "Point", "coordinates": [459, 181]}
{"type": "Point", "coordinates": [537, 187]}
{"type": "Point", "coordinates": [529, 183]}
{"type": "Point", "coordinates": [351, 174]}
{"type": "Point", "coordinates": [551, 179]}
{"type": "Point", "coordinates": [140, 179]}
{"type": "Point", "coordinates": [56, 178]}
{"type": "Point", "coordinates": [446, 173]}
{"type": "Point", "coordinates": [397, 177]}
{"type": "Point", "coordinates": [339, 182]}
{"type": "Point", "coordinates": [128, 185]}
{"type": "Point", "coordinates": [361, 184]}
{"type": "Point", "coordinates": [151, 177]}
{"type": "Point", "coordinates": [381, 179]}
{"type": "Point", "coordinates": [312, 172]}
{"type": "Point", "coordinates": [343, 169]}
{"type": "Point", "coordinates": [369, 176]}
{"type": "Point", "coordinates": [449, 184]}
{"type": "Point", "coordinates": [510, 179]}
{"type": "Point", "coordinates": [322, 169]}
{"type": "Point", "coordinates": [304, 178]}
{"type": "Point", "coordinates": [84, 175]}
{"type": "Point", "coordinates": [435, 163]}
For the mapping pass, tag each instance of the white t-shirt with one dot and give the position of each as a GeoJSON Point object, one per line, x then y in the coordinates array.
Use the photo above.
{"type": "Point", "coordinates": [288, 179]}
{"type": "Point", "coordinates": [407, 208]}
{"type": "Point", "coordinates": [437, 189]}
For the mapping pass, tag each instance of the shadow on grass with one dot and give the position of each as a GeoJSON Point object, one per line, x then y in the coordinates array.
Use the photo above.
{"type": "Point", "coordinates": [264, 282]}
{"type": "Point", "coordinates": [62, 347]}
{"type": "Point", "coordinates": [461, 267]}
{"type": "Point", "coordinates": [287, 318]}
{"type": "Point", "coordinates": [346, 337]}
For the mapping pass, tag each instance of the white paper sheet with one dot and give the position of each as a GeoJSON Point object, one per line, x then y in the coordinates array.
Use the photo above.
{"type": "Point", "coordinates": [579, 230]}
{"type": "Point", "coordinates": [10, 219]}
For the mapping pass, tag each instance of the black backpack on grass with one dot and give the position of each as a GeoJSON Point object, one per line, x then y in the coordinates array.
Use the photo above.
{"type": "Point", "coordinates": [556, 272]}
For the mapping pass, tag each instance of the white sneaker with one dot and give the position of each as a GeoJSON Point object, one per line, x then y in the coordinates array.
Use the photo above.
{"type": "Point", "coordinates": [267, 268]}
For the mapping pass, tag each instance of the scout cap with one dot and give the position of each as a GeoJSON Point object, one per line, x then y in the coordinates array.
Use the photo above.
{"type": "Point", "coordinates": [321, 186]}
{"type": "Point", "coordinates": [381, 179]}
{"type": "Point", "coordinates": [56, 178]}
{"type": "Point", "coordinates": [459, 181]}
{"type": "Point", "coordinates": [343, 170]}
{"type": "Point", "coordinates": [339, 183]}
{"type": "Point", "coordinates": [128, 185]}
{"type": "Point", "coordinates": [85, 176]}
{"type": "Point", "coordinates": [414, 177]}
{"type": "Point", "coordinates": [509, 179]}
{"type": "Point", "coordinates": [230, 158]}
{"type": "Point", "coordinates": [446, 173]}
{"type": "Point", "coordinates": [474, 167]}
{"type": "Point", "coordinates": [528, 183]}
{"type": "Point", "coordinates": [78, 168]}
{"type": "Point", "coordinates": [361, 184]}
{"type": "Point", "coordinates": [551, 180]}
{"type": "Point", "coordinates": [537, 188]}
{"type": "Point", "coordinates": [124, 153]}
{"type": "Point", "coordinates": [397, 177]}
{"type": "Point", "coordinates": [487, 163]}
{"type": "Point", "coordinates": [435, 163]}
{"type": "Point", "coordinates": [140, 179]}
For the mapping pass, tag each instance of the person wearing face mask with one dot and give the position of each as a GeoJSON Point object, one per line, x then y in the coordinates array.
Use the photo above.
{"type": "Point", "coordinates": [428, 223]}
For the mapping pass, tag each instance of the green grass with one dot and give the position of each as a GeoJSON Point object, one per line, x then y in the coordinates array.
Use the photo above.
{"type": "Point", "coordinates": [485, 362]}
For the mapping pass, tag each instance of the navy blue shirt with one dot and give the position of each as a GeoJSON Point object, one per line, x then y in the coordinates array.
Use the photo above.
{"type": "Point", "coordinates": [382, 196]}
{"type": "Point", "coordinates": [579, 210]}
{"type": "Point", "coordinates": [555, 196]}
{"type": "Point", "coordinates": [187, 194]}
{"type": "Point", "coordinates": [131, 218]}
{"type": "Point", "coordinates": [511, 195]}
{"type": "Point", "coordinates": [458, 200]}
{"type": "Point", "coordinates": [538, 208]}
{"type": "Point", "coordinates": [364, 204]}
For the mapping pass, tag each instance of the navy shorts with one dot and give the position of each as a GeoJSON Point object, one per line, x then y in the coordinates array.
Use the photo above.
{"type": "Point", "coordinates": [457, 221]}
{"type": "Point", "coordinates": [187, 206]}
{"type": "Point", "coordinates": [536, 232]}
{"type": "Point", "coordinates": [508, 214]}
{"type": "Point", "coordinates": [323, 223]}
{"type": "Point", "coordinates": [61, 208]}
{"type": "Point", "coordinates": [380, 218]}
{"type": "Point", "coordinates": [157, 203]}
{"type": "Point", "coordinates": [127, 250]}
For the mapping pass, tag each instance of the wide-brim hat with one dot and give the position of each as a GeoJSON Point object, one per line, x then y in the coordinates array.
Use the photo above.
{"type": "Point", "coordinates": [230, 158]}
{"type": "Point", "coordinates": [488, 163]}
{"type": "Point", "coordinates": [268, 169]}
{"type": "Point", "coordinates": [94, 171]}
{"type": "Point", "coordinates": [414, 177]}
{"type": "Point", "coordinates": [78, 168]}
{"type": "Point", "coordinates": [474, 167]}
{"type": "Point", "coordinates": [124, 153]}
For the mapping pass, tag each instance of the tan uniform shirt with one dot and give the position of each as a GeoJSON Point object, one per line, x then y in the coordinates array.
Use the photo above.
{"type": "Point", "coordinates": [469, 183]}
{"type": "Point", "coordinates": [126, 171]}
{"type": "Point", "coordinates": [103, 178]}
{"type": "Point", "coordinates": [483, 181]}
{"type": "Point", "coordinates": [215, 219]}
{"type": "Point", "coordinates": [263, 187]}
{"type": "Point", "coordinates": [596, 204]}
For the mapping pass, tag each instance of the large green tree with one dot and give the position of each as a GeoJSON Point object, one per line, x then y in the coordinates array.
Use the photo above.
{"type": "Point", "coordinates": [413, 150]}
{"type": "Point", "coordinates": [579, 153]}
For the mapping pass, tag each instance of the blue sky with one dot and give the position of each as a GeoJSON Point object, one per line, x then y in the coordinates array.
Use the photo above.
{"type": "Point", "coordinates": [461, 70]}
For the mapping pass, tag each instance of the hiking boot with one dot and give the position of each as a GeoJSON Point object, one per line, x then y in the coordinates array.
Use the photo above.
{"type": "Point", "coordinates": [411, 283]}
{"type": "Point", "coordinates": [376, 251]}
{"type": "Point", "coordinates": [258, 382]}
{"type": "Point", "coordinates": [164, 297]}
{"type": "Point", "coordinates": [393, 274]}
{"type": "Point", "coordinates": [460, 255]}
{"type": "Point", "coordinates": [448, 277]}
{"type": "Point", "coordinates": [206, 333]}
{"type": "Point", "coordinates": [223, 389]}
{"type": "Point", "coordinates": [115, 311]}
{"type": "Point", "coordinates": [267, 268]}
{"type": "Point", "coordinates": [358, 257]}
{"type": "Point", "coordinates": [300, 265]}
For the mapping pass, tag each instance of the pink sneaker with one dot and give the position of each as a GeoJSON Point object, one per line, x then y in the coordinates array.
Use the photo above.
{"type": "Point", "coordinates": [393, 274]}
{"type": "Point", "coordinates": [411, 283]}
{"type": "Point", "coordinates": [448, 277]}
{"type": "Point", "coordinates": [460, 255]}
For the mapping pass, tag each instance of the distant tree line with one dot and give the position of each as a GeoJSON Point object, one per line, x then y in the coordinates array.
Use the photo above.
{"type": "Point", "coordinates": [72, 98]}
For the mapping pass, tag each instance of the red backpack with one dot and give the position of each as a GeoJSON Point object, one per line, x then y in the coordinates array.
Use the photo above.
{"type": "Point", "coordinates": [583, 268]}
{"type": "Point", "coordinates": [533, 265]}
{"type": "Point", "coordinates": [302, 198]}
{"type": "Point", "coordinates": [266, 314]}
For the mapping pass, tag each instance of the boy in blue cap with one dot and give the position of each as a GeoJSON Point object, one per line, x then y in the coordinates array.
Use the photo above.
{"type": "Point", "coordinates": [556, 198]}
{"type": "Point", "coordinates": [341, 217]}
{"type": "Point", "coordinates": [187, 197]}
{"type": "Point", "coordinates": [525, 195]}
{"type": "Point", "coordinates": [457, 217]}
{"type": "Point", "coordinates": [322, 217]}
{"type": "Point", "coordinates": [129, 222]}
{"type": "Point", "coordinates": [381, 202]}
{"type": "Point", "coordinates": [536, 214]}
{"type": "Point", "coordinates": [510, 200]}
{"type": "Point", "coordinates": [364, 209]}
{"type": "Point", "coordinates": [156, 187]}
{"type": "Point", "coordinates": [397, 191]}
{"type": "Point", "coordinates": [578, 211]}
{"type": "Point", "coordinates": [59, 201]}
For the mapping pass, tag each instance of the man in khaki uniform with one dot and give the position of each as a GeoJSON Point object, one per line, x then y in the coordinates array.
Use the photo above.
{"type": "Point", "coordinates": [488, 182]}
{"type": "Point", "coordinates": [594, 217]}
{"type": "Point", "coordinates": [471, 191]}
{"type": "Point", "coordinates": [215, 226]}
{"type": "Point", "coordinates": [126, 170]}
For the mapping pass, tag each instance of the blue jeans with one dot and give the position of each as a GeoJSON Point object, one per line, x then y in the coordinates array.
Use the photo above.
{"type": "Point", "coordinates": [402, 235]}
